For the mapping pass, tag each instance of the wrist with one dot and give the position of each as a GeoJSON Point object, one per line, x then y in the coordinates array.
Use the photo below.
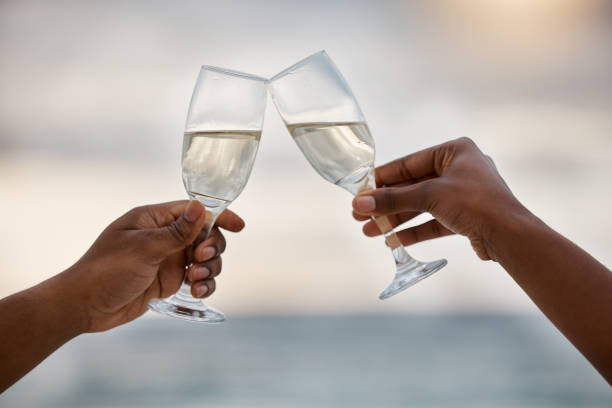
{"type": "Point", "coordinates": [65, 304]}
{"type": "Point", "coordinates": [510, 228]}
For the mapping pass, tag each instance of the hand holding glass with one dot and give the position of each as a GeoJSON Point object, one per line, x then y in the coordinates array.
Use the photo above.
{"type": "Point", "coordinates": [325, 121]}
{"type": "Point", "coordinates": [219, 147]}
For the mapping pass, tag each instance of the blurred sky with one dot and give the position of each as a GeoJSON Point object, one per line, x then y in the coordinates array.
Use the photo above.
{"type": "Point", "coordinates": [94, 97]}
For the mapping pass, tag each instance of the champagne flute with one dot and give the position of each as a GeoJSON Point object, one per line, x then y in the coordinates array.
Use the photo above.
{"type": "Point", "coordinates": [220, 143]}
{"type": "Point", "coordinates": [325, 121]}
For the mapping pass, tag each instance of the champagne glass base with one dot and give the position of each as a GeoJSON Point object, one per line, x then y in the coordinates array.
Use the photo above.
{"type": "Point", "coordinates": [194, 311]}
{"type": "Point", "coordinates": [406, 277]}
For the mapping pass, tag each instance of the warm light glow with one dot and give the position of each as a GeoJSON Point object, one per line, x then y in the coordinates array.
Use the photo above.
{"type": "Point", "coordinates": [513, 29]}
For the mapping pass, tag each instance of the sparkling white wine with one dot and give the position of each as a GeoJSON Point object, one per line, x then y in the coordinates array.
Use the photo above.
{"type": "Point", "coordinates": [342, 153]}
{"type": "Point", "coordinates": [217, 165]}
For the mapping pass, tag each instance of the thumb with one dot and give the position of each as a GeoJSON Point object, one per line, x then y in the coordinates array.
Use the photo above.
{"type": "Point", "coordinates": [181, 232]}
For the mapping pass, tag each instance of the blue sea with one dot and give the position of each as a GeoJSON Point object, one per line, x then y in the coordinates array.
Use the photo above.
{"type": "Point", "coordinates": [340, 361]}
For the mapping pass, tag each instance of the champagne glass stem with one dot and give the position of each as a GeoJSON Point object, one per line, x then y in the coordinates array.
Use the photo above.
{"type": "Point", "coordinates": [385, 227]}
{"type": "Point", "coordinates": [400, 255]}
{"type": "Point", "coordinates": [408, 270]}
{"type": "Point", "coordinates": [184, 293]}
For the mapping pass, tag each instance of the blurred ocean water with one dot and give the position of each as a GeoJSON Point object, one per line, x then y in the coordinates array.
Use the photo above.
{"type": "Point", "coordinates": [387, 361]}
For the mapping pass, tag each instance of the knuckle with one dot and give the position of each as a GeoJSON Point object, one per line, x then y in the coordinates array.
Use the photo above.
{"type": "Point", "coordinates": [404, 169]}
{"type": "Point", "coordinates": [465, 141]}
{"type": "Point", "coordinates": [388, 199]}
{"type": "Point", "coordinates": [218, 266]}
{"type": "Point", "coordinates": [222, 244]}
{"type": "Point", "coordinates": [212, 286]}
{"type": "Point", "coordinates": [214, 264]}
{"type": "Point", "coordinates": [134, 214]}
{"type": "Point", "coordinates": [137, 210]}
{"type": "Point", "coordinates": [177, 231]}
{"type": "Point", "coordinates": [143, 210]}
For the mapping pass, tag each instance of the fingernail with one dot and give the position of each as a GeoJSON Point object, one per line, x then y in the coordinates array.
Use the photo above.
{"type": "Point", "coordinates": [365, 203]}
{"type": "Point", "coordinates": [192, 211]}
{"type": "Point", "coordinates": [208, 253]}
{"type": "Point", "coordinates": [201, 290]}
{"type": "Point", "coordinates": [200, 272]}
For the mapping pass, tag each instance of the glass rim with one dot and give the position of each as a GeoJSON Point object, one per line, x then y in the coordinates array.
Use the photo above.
{"type": "Point", "coordinates": [234, 73]}
{"type": "Point", "coordinates": [298, 64]}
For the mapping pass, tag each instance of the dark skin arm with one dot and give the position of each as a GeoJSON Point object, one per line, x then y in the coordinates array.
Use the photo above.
{"type": "Point", "coordinates": [140, 256]}
{"type": "Point", "coordinates": [461, 188]}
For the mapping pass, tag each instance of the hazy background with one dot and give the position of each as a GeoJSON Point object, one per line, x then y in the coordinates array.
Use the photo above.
{"type": "Point", "coordinates": [94, 97]}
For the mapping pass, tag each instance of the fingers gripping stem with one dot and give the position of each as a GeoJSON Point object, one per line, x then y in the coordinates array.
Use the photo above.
{"type": "Point", "coordinates": [385, 227]}
{"type": "Point", "coordinates": [184, 292]}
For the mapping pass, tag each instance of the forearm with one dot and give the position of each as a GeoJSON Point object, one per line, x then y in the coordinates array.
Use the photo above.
{"type": "Point", "coordinates": [570, 287]}
{"type": "Point", "coordinates": [34, 323]}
